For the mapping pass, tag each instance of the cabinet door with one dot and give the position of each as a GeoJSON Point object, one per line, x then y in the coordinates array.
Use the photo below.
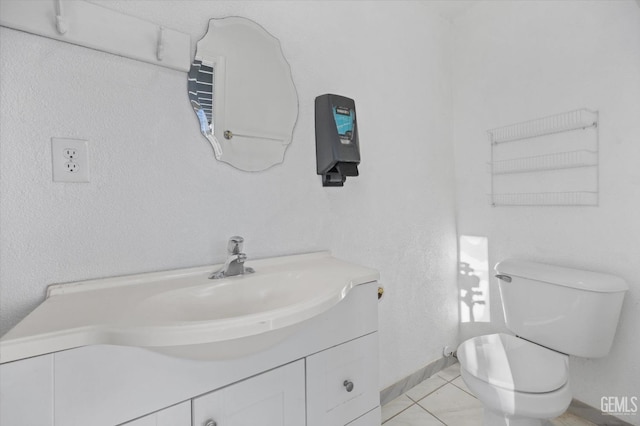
{"type": "Point", "coordinates": [342, 382]}
{"type": "Point", "coordinates": [178, 415]}
{"type": "Point", "coordinates": [274, 398]}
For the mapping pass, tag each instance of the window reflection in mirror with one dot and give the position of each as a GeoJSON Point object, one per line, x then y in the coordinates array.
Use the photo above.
{"type": "Point", "coordinates": [200, 85]}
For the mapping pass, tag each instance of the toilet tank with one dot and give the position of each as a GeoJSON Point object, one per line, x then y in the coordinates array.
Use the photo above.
{"type": "Point", "coordinates": [572, 311]}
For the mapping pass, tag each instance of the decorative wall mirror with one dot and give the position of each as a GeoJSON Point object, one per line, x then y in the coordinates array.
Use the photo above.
{"type": "Point", "coordinates": [241, 89]}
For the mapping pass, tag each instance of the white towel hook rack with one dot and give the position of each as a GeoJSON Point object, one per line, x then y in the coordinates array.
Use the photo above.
{"type": "Point", "coordinates": [61, 22]}
{"type": "Point", "coordinates": [160, 48]}
{"type": "Point", "coordinates": [98, 27]}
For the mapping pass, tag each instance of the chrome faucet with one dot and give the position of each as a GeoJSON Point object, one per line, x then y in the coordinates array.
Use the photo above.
{"type": "Point", "coordinates": [235, 260]}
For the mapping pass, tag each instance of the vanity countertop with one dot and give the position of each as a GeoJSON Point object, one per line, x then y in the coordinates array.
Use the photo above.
{"type": "Point", "coordinates": [183, 309]}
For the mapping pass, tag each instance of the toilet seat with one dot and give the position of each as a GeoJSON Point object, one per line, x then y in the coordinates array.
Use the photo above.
{"type": "Point", "coordinates": [514, 364]}
{"type": "Point", "coordinates": [517, 408]}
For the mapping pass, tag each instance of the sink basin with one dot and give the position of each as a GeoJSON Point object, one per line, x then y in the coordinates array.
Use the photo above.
{"type": "Point", "coordinates": [183, 313]}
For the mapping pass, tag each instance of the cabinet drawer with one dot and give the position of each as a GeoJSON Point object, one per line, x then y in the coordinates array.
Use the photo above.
{"type": "Point", "coordinates": [342, 382]}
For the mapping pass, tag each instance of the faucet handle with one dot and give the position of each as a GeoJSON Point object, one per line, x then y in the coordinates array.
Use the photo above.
{"type": "Point", "coordinates": [235, 245]}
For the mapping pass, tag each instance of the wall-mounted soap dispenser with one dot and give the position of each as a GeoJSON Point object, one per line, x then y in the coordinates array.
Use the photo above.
{"type": "Point", "coordinates": [337, 147]}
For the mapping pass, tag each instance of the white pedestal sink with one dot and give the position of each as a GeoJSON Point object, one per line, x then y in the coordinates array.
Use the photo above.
{"type": "Point", "coordinates": [185, 314]}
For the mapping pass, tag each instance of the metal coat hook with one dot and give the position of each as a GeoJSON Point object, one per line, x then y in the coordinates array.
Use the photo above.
{"type": "Point", "coordinates": [61, 22]}
{"type": "Point", "coordinates": [160, 48]}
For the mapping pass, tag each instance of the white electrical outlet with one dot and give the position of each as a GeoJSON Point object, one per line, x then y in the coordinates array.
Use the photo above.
{"type": "Point", "coordinates": [70, 153]}
{"type": "Point", "coordinates": [70, 160]}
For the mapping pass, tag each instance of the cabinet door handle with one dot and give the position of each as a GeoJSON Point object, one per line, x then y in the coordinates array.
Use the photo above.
{"type": "Point", "coordinates": [210, 422]}
{"type": "Point", "coordinates": [348, 384]}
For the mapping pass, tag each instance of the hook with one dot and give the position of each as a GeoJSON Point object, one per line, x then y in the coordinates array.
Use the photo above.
{"type": "Point", "coordinates": [61, 22]}
{"type": "Point", "coordinates": [160, 47]}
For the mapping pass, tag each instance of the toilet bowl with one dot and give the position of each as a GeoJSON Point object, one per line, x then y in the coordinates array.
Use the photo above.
{"type": "Point", "coordinates": [523, 380]}
{"type": "Point", "coordinates": [518, 382]}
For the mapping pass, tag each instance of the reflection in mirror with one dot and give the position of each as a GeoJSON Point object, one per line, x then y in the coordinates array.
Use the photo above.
{"type": "Point", "coordinates": [241, 89]}
{"type": "Point", "coordinates": [200, 85]}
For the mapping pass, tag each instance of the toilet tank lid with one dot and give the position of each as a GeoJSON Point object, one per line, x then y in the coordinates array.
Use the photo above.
{"type": "Point", "coordinates": [568, 277]}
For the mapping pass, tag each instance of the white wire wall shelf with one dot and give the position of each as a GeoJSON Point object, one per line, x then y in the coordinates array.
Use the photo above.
{"type": "Point", "coordinates": [576, 198]}
{"type": "Point", "coordinates": [572, 120]}
{"type": "Point", "coordinates": [541, 188]}
{"type": "Point", "coordinates": [556, 161]}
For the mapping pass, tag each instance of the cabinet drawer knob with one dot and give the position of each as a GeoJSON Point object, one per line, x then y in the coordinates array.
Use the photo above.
{"type": "Point", "coordinates": [348, 384]}
{"type": "Point", "coordinates": [210, 422]}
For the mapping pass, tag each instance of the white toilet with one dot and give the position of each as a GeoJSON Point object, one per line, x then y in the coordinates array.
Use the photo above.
{"type": "Point", "coordinates": [554, 312]}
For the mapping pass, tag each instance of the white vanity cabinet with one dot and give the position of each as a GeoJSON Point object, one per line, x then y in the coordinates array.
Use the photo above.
{"type": "Point", "coordinates": [274, 398]}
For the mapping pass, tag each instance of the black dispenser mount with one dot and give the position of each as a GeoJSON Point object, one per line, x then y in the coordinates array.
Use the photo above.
{"type": "Point", "coordinates": [337, 146]}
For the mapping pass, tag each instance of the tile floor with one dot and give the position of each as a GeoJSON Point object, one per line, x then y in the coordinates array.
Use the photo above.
{"type": "Point", "coordinates": [444, 399]}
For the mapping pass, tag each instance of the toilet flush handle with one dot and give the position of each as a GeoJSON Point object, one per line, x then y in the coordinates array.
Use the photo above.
{"type": "Point", "coordinates": [505, 278]}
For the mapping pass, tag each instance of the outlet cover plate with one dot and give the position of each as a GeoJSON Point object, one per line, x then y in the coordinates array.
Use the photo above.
{"type": "Point", "coordinates": [70, 168]}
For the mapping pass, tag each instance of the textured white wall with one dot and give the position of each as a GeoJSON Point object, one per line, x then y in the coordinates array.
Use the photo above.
{"type": "Point", "coordinates": [515, 61]}
{"type": "Point", "coordinates": [158, 200]}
